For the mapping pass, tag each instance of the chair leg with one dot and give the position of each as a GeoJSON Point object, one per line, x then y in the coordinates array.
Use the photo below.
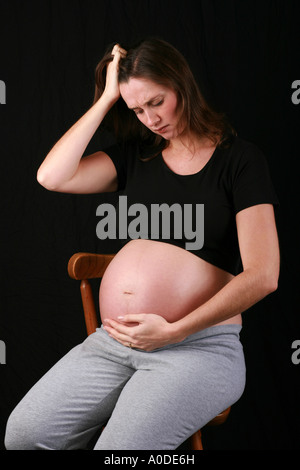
{"type": "Point", "coordinates": [197, 441]}
{"type": "Point", "coordinates": [88, 307]}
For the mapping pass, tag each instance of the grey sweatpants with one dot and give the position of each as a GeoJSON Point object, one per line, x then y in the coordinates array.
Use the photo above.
{"type": "Point", "coordinates": [149, 400]}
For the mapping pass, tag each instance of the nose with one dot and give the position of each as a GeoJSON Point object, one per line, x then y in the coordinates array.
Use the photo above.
{"type": "Point", "coordinates": [152, 119]}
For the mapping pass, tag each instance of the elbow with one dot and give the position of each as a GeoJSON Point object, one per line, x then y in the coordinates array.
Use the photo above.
{"type": "Point", "coordinates": [40, 178]}
{"type": "Point", "coordinates": [269, 282]}
{"type": "Point", "coordinates": [271, 285]}
{"type": "Point", "coordinates": [263, 281]}
{"type": "Point", "coordinates": [45, 180]}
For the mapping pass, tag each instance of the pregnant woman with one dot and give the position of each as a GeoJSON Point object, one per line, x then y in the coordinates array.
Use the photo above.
{"type": "Point", "coordinates": [167, 358]}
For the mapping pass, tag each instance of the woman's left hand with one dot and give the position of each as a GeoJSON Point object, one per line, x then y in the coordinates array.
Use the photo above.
{"type": "Point", "coordinates": [150, 331]}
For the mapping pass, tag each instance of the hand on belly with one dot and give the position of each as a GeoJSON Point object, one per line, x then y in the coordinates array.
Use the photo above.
{"type": "Point", "coordinates": [150, 332]}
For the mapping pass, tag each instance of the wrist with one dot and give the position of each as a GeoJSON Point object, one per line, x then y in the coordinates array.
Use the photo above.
{"type": "Point", "coordinates": [108, 98]}
{"type": "Point", "coordinates": [177, 332]}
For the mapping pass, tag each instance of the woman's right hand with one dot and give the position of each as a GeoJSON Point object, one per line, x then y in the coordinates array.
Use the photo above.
{"type": "Point", "coordinates": [112, 89]}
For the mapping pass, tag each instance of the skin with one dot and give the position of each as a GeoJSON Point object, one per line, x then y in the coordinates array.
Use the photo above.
{"type": "Point", "coordinates": [65, 170]}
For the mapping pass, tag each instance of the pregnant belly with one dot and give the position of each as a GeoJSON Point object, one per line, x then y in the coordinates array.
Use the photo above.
{"type": "Point", "coordinates": [154, 277]}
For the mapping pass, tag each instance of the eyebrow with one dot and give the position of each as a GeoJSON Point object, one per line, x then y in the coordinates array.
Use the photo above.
{"type": "Point", "coordinates": [148, 102]}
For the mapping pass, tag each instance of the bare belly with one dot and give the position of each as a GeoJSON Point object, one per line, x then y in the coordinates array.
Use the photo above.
{"type": "Point", "coordinates": [155, 277]}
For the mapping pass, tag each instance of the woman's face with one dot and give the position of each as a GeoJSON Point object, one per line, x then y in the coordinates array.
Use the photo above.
{"type": "Point", "coordinates": [154, 105]}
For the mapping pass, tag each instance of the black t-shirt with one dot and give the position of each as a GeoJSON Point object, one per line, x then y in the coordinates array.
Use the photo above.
{"type": "Point", "coordinates": [234, 178]}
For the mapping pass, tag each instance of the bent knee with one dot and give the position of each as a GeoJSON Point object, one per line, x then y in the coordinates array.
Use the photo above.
{"type": "Point", "coordinates": [12, 439]}
{"type": "Point", "coordinates": [19, 434]}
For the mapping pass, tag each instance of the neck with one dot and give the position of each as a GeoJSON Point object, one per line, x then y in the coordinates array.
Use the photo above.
{"type": "Point", "coordinates": [189, 142]}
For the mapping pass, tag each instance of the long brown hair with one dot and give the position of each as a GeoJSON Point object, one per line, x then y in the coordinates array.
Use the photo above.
{"type": "Point", "coordinates": [160, 62]}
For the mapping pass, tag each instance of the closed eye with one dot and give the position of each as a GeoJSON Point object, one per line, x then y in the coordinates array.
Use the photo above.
{"type": "Point", "coordinates": [138, 111]}
{"type": "Point", "coordinates": [159, 103]}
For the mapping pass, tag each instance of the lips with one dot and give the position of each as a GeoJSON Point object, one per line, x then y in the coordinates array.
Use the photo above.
{"type": "Point", "coordinates": [161, 129]}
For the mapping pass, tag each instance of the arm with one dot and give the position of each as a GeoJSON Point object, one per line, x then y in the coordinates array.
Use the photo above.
{"type": "Point", "coordinates": [260, 257]}
{"type": "Point", "coordinates": [64, 169]}
{"type": "Point", "coordinates": [259, 250]}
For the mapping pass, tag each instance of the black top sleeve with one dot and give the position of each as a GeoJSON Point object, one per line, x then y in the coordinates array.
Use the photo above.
{"type": "Point", "coordinates": [118, 157]}
{"type": "Point", "coordinates": [252, 183]}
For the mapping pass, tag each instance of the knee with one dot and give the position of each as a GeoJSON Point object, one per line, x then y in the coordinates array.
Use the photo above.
{"type": "Point", "coordinates": [11, 439]}
{"type": "Point", "coordinates": [17, 435]}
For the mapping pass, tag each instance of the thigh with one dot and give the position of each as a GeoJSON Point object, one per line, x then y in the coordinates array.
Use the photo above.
{"type": "Point", "coordinates": [68, 405]}
{"type": "Point", "coordinates": [166, 402]}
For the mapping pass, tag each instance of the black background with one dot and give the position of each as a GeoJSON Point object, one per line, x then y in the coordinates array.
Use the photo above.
{"type": "Point", "coordinates": [245, 55]}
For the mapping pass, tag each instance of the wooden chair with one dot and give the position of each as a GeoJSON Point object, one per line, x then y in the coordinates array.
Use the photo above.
{"type": "Point", "coordinates": [85, 266]}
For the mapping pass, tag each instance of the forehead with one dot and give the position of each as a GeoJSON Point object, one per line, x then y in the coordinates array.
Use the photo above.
{"type": "Point", "coordinates": [139, 91]}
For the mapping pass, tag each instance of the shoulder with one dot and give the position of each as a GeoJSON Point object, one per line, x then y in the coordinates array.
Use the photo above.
{"type": "Point", "coordinates": [238, 148]}
{"type": "Point", "coordinates": [240, 154]}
